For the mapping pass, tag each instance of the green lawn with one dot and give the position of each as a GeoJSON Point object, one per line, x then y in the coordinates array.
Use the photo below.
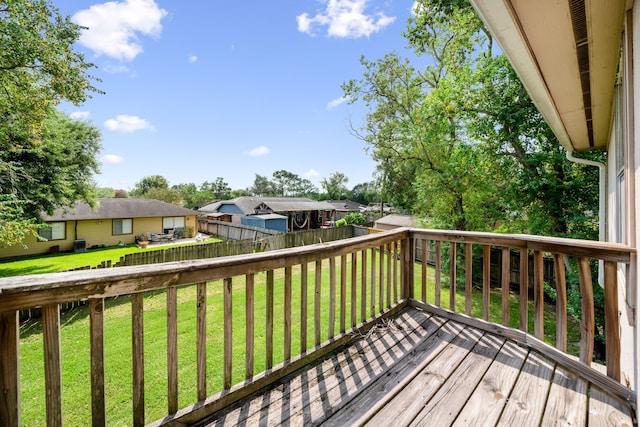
{"type": "Point", "coordinates": [67, 261]}
{"type": "Point", "coordinates": [75, 344]}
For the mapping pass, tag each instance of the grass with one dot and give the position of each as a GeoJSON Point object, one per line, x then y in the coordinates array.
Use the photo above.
{"type": "Point", "coordinates": [62, 262]}
{"type": "Point", "coordinates": [75, 343]}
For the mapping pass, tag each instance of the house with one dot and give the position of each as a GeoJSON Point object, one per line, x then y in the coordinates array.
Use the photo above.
{"type": "Point", "coordinates": [579, 62]}
{"type": "Point", "coordinates": [113, 221]}
{"type": "Point", "coordinates": [301, 213]}
{"type": "Point", "coordinates": [392, 221]}
{"type": "Point", "coordinates": [344, 207]}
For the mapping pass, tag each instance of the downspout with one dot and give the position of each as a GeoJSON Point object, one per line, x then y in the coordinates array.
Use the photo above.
{"type": "Point", "coordinates": [601, 204]}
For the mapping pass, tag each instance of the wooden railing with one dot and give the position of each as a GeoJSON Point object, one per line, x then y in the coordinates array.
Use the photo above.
{"type": "Point", "coordinates": [581, 252]}
{"type": "Point", "coordinates": [295, 305]}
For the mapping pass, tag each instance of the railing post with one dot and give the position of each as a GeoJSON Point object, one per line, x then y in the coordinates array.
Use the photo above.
{"type": "Point", "coordinates": [52, 363]}
{"type": "Point", "coordinates": [538, 294]}
{"type": "Point", "coordinates": [9, 369]}
{"type": "Point", "coordinates": [407, 267]}
{"type": "Point", "coordinates": [98, 406]}
{"type": "Point", "coordinates": [611, 319]}
{"type": "Point", "coordinates": [588, 312]}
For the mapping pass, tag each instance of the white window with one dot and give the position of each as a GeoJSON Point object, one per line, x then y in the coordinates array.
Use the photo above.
{"type": "Point", "coordinates": [54, 231]}
{"type": "Point", "coordinates": [122, 226]}
{"type": "Point", "coordinates": [175, 223]}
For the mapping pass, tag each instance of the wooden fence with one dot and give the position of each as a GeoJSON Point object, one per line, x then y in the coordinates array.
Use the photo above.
{"type": "Point", "coordinates": [229, 231]}
{"type": "Point", "coordinates": [304, 238]}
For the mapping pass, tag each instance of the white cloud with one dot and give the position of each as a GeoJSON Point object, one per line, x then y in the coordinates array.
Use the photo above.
{"type": "Point", "coordinates": [113, 27]}
{"type": "Point", "coordinates": [333, 104]}
{"type": "Point", "coordinates": [79, 115]}
{"type": "Point", "coordinates": [124, 123]}
{"type": "Point", "coordinates": [112, 158]}
{"type": "Point", "coordinates": [258, 151]}
{"type": "Point", "coordinates": [345, 19]}
{"type": "Point", "coordinates": [311, 173]}
{"type": "Point", "coordinates": [193, 58]}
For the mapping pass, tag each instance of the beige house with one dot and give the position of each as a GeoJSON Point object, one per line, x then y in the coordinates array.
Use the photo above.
{"type": "Point", "coordinates": [112, 222]}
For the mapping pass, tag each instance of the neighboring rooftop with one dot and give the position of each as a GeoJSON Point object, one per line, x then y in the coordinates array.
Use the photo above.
{"type": "Point", "coordinates": [250, 205]}
{"type": "Point", "coordinates": [118, 208]}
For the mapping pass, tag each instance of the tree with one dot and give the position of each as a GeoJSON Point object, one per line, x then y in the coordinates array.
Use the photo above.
{"type": "Point", "coordinates": [335, 186]}
{"type": "Point", "coordinates": [120, 194]}
{"type": "Point", "coordinates": [262, 187]}
{"type": "Point", "coordinates": [53, 171]}
{"type": "Point", "coordinates": [365, 193]}
{"type": "Point", "coordinates": [147, 183]}
{"type": "Point", "coordinates": [46, 159]}
{"type": "Point", "coordinates": [105, 192]}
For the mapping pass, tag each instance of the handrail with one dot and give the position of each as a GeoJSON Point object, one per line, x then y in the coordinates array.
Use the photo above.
{"type": "Point", "coordinates": [367, 276]}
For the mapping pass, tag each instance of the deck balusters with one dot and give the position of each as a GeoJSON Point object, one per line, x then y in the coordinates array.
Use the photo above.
{"type": "Point", "coordinates": [343, 292]}
{"type": "Point", "coordinates": [452, 276]}
{"type": "Point", "coordinates": [137, 338]}
{"type": "Point", "coordinates": [561, 302]}
{"type": "Point", "coordinates": [354, 283]}
{"type": "Point", "coordinates": [269, 320]}
{"type": "Point", "coordinates": [611, 320]}
{"type": "Point", "coordinates": [524, 289]}
{"type": "Point", "coordinates": [201, 339]}
{"type": "Point", "coordinates": [287, 313]}
{"type": "Point", "coordinates": [316, 302]}
{"type": "Point", "coordinates": [486, 281]}
{"type": "Point", "coordinates": [506, 273]}
{"type": "Point", "coordinates": [587, 311]}
{"type": "Point", "coordinates": [438, 273]}
{"type": "Point", "coordinates": [96, 337]}
{"type": "Point", "coordinates": [9, 368]}
{"type": "Point", "coordinates": [538, 294]}
{"type": "Point", "coordinates": [363, 286]}
{"type": "Point", "coordinates": [52, 365]}
{"type": "Point", "coordinates": [249, 325]}
{"type": "Point", "coordinates": [304, 301]}
{"type": "Point", "coordinates": [332, 297]}
{"type": "Point", "coordinates": [372, 290]}
{"type": "Point", "coordinates": [468, 277]}
{"type": "Point", "coordinates": [228, 332]}
{"type": "Point", "coordinates": [172, 349]}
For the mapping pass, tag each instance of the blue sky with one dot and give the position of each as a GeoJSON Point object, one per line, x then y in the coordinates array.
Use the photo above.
{"type": "Point", "coordinates": [196, 90]}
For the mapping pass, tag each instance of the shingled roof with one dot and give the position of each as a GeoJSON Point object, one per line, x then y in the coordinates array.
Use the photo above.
{"type": "Point", "coordinates": [118, 208]}
{"type": "Point", "coordinates": [250, 205]}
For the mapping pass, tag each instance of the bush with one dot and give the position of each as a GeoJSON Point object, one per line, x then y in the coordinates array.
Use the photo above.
{"type": "Point", "coordinates": [354, 218]}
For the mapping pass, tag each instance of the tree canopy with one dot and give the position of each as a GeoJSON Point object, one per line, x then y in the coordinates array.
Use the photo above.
{"type": "Point", "coordinates": [47, 160]}
{"type": "Point", "coordinates": [458, 141]}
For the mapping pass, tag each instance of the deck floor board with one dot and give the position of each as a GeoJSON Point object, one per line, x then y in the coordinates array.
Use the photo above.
{"type": "Point", "coordinates": [418, 368]}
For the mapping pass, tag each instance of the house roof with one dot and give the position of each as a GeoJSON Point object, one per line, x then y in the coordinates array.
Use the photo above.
{"type": "Point", "coordinates": [346, 205]}
{"type": "Point", "coordinates": [398, 220]}
{"type": "Point", "coordinates": [249, 205]}
{"type": "Point", "coordinates": [119, 208]}
{"type": "Point", "coordinates": [566, 54]}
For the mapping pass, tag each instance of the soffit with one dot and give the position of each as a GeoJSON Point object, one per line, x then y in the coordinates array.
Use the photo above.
{"type": "Point", "coordinates": [566, 54]}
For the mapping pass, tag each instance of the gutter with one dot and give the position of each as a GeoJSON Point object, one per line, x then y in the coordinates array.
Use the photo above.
{"type": "Point", "coordinates": [601, 204]}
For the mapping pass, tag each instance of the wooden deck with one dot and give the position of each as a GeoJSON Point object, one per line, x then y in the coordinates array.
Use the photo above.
{"type": "Point", "coordinates": [421, 368]}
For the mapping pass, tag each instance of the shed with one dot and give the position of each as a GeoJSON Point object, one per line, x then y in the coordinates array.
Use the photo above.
{"type": "Point", "coordinates": [268, 221]}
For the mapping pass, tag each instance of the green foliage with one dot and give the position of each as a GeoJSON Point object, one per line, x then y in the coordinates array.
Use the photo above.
{"type": "Point", "coordinates": [46, 159]}
{"type": "Point", "coordinates": [335, 186]}
{"type": "Point", "coordinates": [283, 184]}
{"type": "Point", "coordinates": [14, 226]}
{"type": "Point", "coordinates": [353, 218]}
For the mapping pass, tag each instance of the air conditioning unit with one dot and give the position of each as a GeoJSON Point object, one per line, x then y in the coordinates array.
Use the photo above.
{"type": "Point", "coordinates": [80, 245]}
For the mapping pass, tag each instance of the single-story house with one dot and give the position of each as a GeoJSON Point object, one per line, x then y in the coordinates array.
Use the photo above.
{"type": "Point", "coordinates": [392, 221]}
{"type": "Point", "coordinates": [301, 213]}
{"type": "Point", "coordinates": [344, 207]}
{"type": "Point", "coordinates": [268, 221]}
{"type": "Point", "coordinates": [113, 221]}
